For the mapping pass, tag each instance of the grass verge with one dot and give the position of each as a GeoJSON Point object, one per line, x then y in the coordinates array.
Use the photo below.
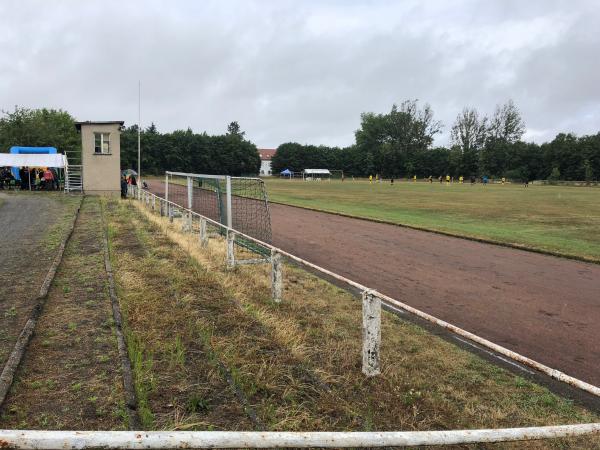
{"type": "Point", "coordinates": [212, 351]}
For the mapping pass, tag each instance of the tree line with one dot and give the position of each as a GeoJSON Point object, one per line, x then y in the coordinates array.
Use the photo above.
{"type": "Point", "coordinates": [400, 144]}
{"type": "Point", "coordinates": [182, 150]}
{"type": "Point", "coordinates": [396, 144]}
{"type": "Point", "coordinates": [38, 128]}
{"type": "Point", "coordinates": [185, 151]}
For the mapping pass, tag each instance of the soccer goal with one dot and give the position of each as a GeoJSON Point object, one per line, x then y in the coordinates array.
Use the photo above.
{"type": "Point", "coordinates": [237, 202]}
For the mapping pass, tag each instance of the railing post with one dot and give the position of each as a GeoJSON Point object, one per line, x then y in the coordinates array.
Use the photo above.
{"type": "Point", "coordinates": [228, 202]}
{"type": "Point", "coordinates": [190, 191]}
{"type": "Point", "coordinates": [371, 309]}
{"type": "Point", "coordinates": [203, 234]}
{"type": "Point", "coordinates": [230, 249]}
{"type": "Point", "coordinates": [161, 207]}
{"type": "Point", "coordinates": [154, 203]}
{"type": "Point", "coordinates": [190, 227]}
{"type": "Point", "coordinates": [167, 186]}
{"type": "Point", "coordinates": [276, 276]}
{"type": "Point", "coordinates": [171, 212]}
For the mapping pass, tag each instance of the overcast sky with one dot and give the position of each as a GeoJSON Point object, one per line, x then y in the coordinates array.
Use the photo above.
{"type": "Point", "coordinates": [300, 70]}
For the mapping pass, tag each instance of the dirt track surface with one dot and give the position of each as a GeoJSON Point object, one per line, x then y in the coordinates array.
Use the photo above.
{"type": "Point", "coordinates": [543, 307]}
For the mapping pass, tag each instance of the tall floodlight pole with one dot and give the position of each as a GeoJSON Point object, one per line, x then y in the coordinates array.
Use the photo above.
{"type": "Point", "coordinates": [139, 135]}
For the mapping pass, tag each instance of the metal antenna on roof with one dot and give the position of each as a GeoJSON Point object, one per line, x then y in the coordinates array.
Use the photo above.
{"type": "Point", "coordinates": [139, 174]}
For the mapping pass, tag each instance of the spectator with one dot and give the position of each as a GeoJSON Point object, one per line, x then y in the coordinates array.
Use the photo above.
{"type": "Point", "coordinates": [55, 183]}
{"type": "Point", "coordinates": [47, 180]}
{"type": "Point", "coordinates": [24, 175]}
{"type": "Point", "coordinates": [123, 187]}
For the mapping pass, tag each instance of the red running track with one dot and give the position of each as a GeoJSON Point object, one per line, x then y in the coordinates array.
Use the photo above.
{"type": "Point", "coordinates": [544, 307]}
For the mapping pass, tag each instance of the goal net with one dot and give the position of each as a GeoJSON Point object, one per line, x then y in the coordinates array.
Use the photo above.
{"type": "Point", "coordinates": [238, 202]}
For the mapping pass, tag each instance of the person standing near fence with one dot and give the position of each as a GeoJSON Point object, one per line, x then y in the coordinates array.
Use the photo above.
{"type": "Point", "coordinates": [123, 187]}
{"type": "Point", "coordinates": [48, 180]}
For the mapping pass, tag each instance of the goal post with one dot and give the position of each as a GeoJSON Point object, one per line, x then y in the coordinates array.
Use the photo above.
{"type": "Point", "coordinates": [239, 203]}
{"type": "Point", "coordinates": [336, 174]}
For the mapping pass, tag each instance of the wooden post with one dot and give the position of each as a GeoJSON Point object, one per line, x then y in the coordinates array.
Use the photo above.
{"type": "Point", "coordinates": [276, 276]}
{"type": "Point", "coordinates": [171, 212]}
{"type": "Point", "coordinates": [371, 308]}
{"type": "Point", "coordinates": [203, 234]}
{"type": "Point", "coordinates": [190, 222]}
{"type": "Point", "coordinates": [230, 249]}
{"type": "Point", "coordinates": [154, 203]}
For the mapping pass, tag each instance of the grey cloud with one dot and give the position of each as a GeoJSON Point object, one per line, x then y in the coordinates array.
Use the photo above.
{"type": "Point", "coordinates": [302, 71]}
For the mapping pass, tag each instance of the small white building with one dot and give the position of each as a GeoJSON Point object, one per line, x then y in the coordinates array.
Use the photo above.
{"type": "Point", "coordinates": [266, 154]}
{"type": "Point", "coordinates": [100, 156]}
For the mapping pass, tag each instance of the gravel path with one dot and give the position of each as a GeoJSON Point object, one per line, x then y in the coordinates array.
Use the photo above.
{"type": "Point", "coordinates": [24, 258]}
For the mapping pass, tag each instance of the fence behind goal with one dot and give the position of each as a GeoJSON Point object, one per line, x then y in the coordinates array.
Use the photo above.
{"type": "Point", "coordinates": [240, 203]}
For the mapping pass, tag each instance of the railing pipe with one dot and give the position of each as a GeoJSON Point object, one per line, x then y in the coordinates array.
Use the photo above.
{"type": "Point", "coordinates": [82, 440]}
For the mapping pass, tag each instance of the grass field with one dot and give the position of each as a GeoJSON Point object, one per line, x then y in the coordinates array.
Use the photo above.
{"type": "Point", "coordinates": [560, 219]}
{"type": "Point", "coordinates": [210, 350]}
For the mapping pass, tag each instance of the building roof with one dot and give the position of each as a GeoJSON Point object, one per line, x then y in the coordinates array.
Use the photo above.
{"type": "Point", "coordinates": [266, 154]}
{"type": "Point", "coordinates": [98, 122]}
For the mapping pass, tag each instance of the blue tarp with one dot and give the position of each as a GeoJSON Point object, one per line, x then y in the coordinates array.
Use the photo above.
{"type": "Point", "coordinates": [30, 151]}
{"type": "Point", "coordinates": [286, 172]}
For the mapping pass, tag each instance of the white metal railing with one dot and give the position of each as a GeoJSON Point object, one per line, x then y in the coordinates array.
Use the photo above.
{"type": "Point", "coordinates": [73, 178]}
{"type": "Point", "coordinates": [61, 440]}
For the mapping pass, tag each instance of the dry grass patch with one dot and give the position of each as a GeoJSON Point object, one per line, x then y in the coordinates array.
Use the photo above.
{"type": "Point", "coordinates": [298, 363]}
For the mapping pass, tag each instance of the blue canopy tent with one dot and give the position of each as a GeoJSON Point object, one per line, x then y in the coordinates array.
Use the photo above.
{"type": "Point", "coordinates": [30, 151]}
{"type": "Point", "coordinates": [286, 173]}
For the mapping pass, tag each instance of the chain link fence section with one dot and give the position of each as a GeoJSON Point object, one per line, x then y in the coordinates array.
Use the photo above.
{"type": "Point", "coordinates": [218, 197]}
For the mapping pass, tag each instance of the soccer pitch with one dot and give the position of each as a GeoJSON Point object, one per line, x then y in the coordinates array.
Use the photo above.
{"type": "Point", "coordinates": [559, 219]}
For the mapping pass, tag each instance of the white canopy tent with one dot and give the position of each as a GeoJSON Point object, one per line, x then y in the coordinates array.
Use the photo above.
{"type": "Point", "coordinates": [57, 160]}
{"type": "Point", "coordinates": [315, 174]}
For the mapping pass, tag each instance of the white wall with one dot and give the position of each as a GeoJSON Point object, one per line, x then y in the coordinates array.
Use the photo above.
{"type": "Point", "coordinates": [265, 167]}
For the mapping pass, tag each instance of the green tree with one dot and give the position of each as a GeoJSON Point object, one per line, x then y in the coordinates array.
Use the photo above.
{"type": "Point", "coordinates": [555, 174]}
{"type": "Point", "coordinates": [234, 129]}
{"type": "Point", "coordinates": [469, 131]}
{"type": "Point", "coordinates": [186, 151]}
{"type": "Point", "coordinates": [506, 123]}
{"type": "Point", "coordinates": [39, 128]}
{"type": "Point", "coordinates": [395, 139]}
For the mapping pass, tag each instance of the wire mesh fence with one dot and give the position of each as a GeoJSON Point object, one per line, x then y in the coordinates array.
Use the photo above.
{"type": "Point", "coordinates": [238, 202]}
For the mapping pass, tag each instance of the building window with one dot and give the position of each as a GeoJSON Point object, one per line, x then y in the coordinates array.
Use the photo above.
{"type": "Point", "coordinates": [102, 143]}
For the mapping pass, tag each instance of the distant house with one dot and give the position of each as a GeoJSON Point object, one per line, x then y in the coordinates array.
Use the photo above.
{"type": "Point", "coordinates": [266, 154]}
